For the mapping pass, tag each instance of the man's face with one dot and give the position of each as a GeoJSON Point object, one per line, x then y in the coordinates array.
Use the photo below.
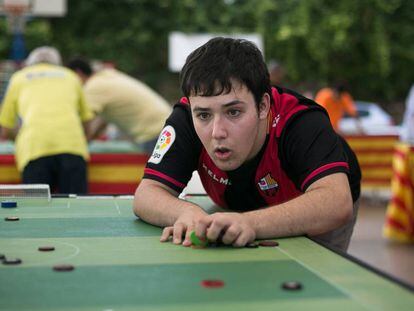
{"type": "Point", "coordinates": [229, 126]}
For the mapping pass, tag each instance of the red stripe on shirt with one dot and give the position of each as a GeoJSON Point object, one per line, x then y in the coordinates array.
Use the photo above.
{"type": "Point", "coordinates": [322, 169]}
{"type": "Point", "coordinates": [184, 100]}
{"type": "Point", "coordinates": [163, 176]}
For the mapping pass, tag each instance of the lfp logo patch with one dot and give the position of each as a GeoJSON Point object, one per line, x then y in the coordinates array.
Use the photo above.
{"type": "Point", "coordinates": [164, 143]}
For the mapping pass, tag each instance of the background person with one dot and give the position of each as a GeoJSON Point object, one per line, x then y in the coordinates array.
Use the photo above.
{"type": "Point", "coordinates": [268, 155]}
{"type": "Point", "coordinates": [337, 101]}
{"type": "Point", "coordinates": [407, 127]}
{"type": "Point", "coordinates": [276, 72]}
{"type": "Point", "coordinates": [43, 109]}
{"type": "Point", "coordinates": [137, 110]}
{"type": "Point", "coordinates": [398, 224]}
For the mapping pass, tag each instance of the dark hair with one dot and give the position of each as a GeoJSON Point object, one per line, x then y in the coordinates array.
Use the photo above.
{"type": "Point", "coordinates": [209, 69]}
{"type": "Point", "coordinates": [340, 86]}
{"type": "Point", "coordinates": [80, 64]}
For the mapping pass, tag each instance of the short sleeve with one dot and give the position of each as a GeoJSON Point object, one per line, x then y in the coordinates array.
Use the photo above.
{"type": "Point", "coordinates": [8, 109]}
{"type": "Point", "coordinates": [310, 149]}
{"type": "Point", "coordinates": [177, 151]}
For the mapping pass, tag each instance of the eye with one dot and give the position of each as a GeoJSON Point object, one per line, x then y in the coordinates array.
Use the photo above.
{"type": "Point", "coordinates": [203, 116]}
{"type": "Point", "coordinates": [233, 112]}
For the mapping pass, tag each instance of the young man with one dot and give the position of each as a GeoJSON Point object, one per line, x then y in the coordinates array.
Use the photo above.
{"type": "Point", "coordinates": [268, 155]}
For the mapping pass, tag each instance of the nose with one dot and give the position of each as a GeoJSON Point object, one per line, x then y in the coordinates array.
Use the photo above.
{"type": "Point", "coordinates": [219, 129]}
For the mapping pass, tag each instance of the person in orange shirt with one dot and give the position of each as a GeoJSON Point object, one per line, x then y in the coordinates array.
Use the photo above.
{"type": "Point", "coordinates": [337, 101]}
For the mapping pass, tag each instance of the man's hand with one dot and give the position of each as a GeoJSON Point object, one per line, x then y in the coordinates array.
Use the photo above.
{"type": "Point", "coordinates": [233, 228]}
{"type": "Point", "coordinates": [182, 227]}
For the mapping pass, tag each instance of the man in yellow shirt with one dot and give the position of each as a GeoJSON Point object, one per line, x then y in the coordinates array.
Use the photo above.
{"type": "Point", "coordinates": [337, 101]}
{"type": "Point", "coordinates": [43, 109]}
{"type": "Point", "coordinates": [137, 110]}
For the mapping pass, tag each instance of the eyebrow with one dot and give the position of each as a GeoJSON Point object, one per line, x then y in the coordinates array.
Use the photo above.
{"type": "Point", "coordinates": [229, 104]}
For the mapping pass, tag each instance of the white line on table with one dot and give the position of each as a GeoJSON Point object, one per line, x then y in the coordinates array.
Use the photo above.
{"type": "Point", "coordinates": [117, 207]}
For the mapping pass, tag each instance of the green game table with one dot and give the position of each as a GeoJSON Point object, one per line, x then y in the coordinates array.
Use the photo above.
{"type": "Point", "coordinates": [121, 265]}
{"type": "Point", "coordinates": [95, 146]}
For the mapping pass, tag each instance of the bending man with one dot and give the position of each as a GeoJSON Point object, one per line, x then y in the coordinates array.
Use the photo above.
{"type": "Point", "coordinates": [268, 155]}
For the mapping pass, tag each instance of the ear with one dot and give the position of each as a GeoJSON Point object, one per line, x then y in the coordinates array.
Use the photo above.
{"type": "Point", "coordinates": [264, 106]}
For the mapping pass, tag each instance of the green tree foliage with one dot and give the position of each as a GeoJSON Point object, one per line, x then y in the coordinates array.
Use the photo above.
{"type": "Point", "coordinates": [364, 42]}
{"type": "Point", "coordinates": [368, 43]}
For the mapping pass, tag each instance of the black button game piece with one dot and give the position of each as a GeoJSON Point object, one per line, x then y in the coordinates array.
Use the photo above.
{"type": "Point", "coordinates": [63, 268]}
{"type": "Point", "coordinates": [292, 285]}
{"type": "Point", "coordinates": [46, 248]}
{"type": "Point", "coordinates": [214, 244]}
{"type": "Point", "coordinates": [268, 243]}
{"type": "Point", "coordinates": [12, 218]}
{"type": "Point", "coordinates": [252, 245]}
{"type": "Point", "coordinates": [15, 261]}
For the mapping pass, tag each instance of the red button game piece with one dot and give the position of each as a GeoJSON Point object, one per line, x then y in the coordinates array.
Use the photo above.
{"type": "Point", "coordinates": [212, 283]}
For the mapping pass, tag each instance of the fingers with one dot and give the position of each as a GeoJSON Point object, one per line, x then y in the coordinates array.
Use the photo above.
{"type": "Point", "coordinates": [166, 233]}
{"type": "Point", "coordinates": [233, 229]}
{"type": "Point", "coordinates": [229, 228]}
{"type": "Point", "coordinates": [231, 235]}
{"type": "Point", "coordinates": [176, 232]}
{"type": "Point", "coordinates": [201, 226]}
{"type": "Point", "coordinates": [244, 238]}
{"type": "Point", "coordinates": [217, 226]}
{"type": "Point", "coordinates": [187, 240]}
{"type": "Point", "coordinates": [179, 231]}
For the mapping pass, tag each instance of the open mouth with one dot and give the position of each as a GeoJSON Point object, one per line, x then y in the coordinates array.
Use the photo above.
{"type": "Point", "coordinates": [222, 153]}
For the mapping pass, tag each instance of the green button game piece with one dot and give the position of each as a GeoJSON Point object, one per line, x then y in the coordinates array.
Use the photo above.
{"type": "Point", "coordinates": [195, 240]}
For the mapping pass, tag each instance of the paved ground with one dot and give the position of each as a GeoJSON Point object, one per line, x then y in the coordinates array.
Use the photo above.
{"type": "Point", "coordinates": [368, 244]}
